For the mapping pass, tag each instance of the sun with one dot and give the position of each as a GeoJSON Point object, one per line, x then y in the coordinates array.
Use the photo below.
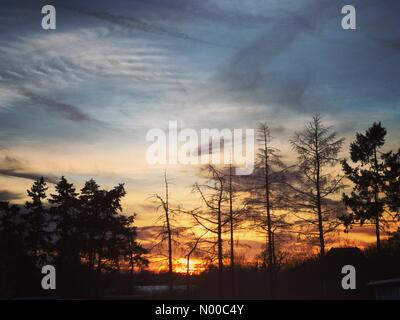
{"type": "Point", "coordinates": [195, 266]}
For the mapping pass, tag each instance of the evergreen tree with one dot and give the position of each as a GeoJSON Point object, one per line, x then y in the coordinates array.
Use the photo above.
{"type": "Point", "coordinates": [392, 183]}
{"type": "Point", "coordinates": [89, 205]}
{"type": "Point", "coordinates": [11, 239]}
{"type": "Point", "coordinates": [373, 175]}
{"type": "Point", "coordinates": [17, 268]}
{"type": "Point", "coordinates": [65, 212]}
{"type": "Point", "coordinates": [111, 226]}
{"type": "Point", "coordinates": [37, 238]}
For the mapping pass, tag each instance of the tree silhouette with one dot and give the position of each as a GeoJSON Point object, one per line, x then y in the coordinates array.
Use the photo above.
{"type": "Point", "coordinates": [89, 229]}
{"type": "Point", "coordinates": [110, 226]}
{"type": "Point", "coordinates": [236, 215]}
{"type": "Point", "coordinates": [167, 231]}
{"type": "Point", "coordinates": [266, 188]}
{"type": "Point", "coordinates": [37, 238]}
{"type": "Point", "coordinates": [375, 174]}
{"type": "Point", "coordinates": [266, 153]}
{"type": "Point", "coordinates": [213, 218]}
{"type": "Point", "coordinates": [231, 222]}
{"type": "Point", "coordinates": [17, 267]}
{"type": "Point", "coordinates": [134, 251]}
{"type": "Point", "coordinates": [392, 184]}
{"type": "Point", "coordinates": [89, 206]}
{"type": "Point", "coordinates": [65, 208]}
{"type": "Point", "coordinates": [317, 149]}
{"type": "Point", "coordinates": [193, 244]}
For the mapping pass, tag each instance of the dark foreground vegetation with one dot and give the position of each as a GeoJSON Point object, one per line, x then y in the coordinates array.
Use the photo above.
{"type": "Point", "coordinates": [309, 279]}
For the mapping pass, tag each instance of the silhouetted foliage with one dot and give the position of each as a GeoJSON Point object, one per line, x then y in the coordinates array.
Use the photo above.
{"type": "Point", "coordinates": [75, 233]}
{"type": "Point", "coordinates": [376, 174]}
{"type": "Point", "coordinates": [65, 211]}
{"type": "Point", "coordinates": [391, 187]}
{"type": "Point", "coordinates": [37, 221]}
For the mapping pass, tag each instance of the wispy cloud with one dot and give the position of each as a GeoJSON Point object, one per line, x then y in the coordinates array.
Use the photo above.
{"type": "Point", "coordinates": [6, 195]}
{"type": "Point", "coordinates": [13, 167]}
{"type": "Point", "coordinates": [141, 25]}
{"type": "Point", "coordinates": [67, 111]}
{"type": "Point", "coordinates": [7, 97]}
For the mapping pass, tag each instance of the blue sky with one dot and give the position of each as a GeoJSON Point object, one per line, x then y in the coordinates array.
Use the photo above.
{"type": "Point", "coordinates": [79, 100]}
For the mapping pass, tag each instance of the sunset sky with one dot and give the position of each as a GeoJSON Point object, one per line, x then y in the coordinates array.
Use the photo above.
{"type": "Point", "coordinates": [79, 100]}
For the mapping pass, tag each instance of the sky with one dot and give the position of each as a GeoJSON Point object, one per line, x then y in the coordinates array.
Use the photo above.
{"type": "Point", "coordinates": [79, 100]}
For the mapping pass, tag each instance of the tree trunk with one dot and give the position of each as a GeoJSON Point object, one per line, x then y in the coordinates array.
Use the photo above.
{"type": "Point", "coordinates": [270, 266]}
{"type": "Point", "coordinates": [219, 241]}
{"type": "Point", "coordinates": [220, 261]}
{"type": "Point", "coordinates": [188, 276]}
{"type": "Point", "coordinates": [376, 200]}
{"type": "Point", "coordinates": [320, 221]}
{"type": "Point", "coordinates": [320, 225]}
{"type": "Point", "coordinates": [319, 209]}
{"type": "Point", "coordinates": [231, 217]}
{"type": "Point", "coordinates": [273, 249]}
{"type": "Point", "coordinates": [232, 260]}
{"type": "Point", "coordinates": [166, 208]}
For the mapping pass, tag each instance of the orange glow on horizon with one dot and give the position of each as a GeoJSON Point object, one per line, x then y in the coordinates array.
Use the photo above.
{"type": "Point", "coordinates": [196, 266]}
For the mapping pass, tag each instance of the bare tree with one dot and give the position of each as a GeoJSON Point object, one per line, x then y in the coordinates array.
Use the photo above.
{"type": "Point", "coordinates": [194, 247]}
{"type": "Point", "coordinates": [266, 189]}
{"type": "Point", "coordinates": [167, 230]}
{"type": "Point", "coordinates": [317, 149]}
{"type": "Point", "coordinates": [237, 215]}
{"type": "Point", "coordinates": [268, 157]}
{"type": "Point", "coordinates": [231, 222]}
{"type": "Point", "coordinates": [212, 219]}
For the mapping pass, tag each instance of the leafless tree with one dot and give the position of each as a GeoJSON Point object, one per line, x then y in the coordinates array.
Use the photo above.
{"type": "Point", "coordinates": [266, 187]}
{"type": "Point", "coordinates": [167, 230]}
{"type": "Point", "coordinates": [212, 218]}
{"type": "Point", "coordinates": [193, 244]}
{"type": "Point", "coordinates": [314, 183]}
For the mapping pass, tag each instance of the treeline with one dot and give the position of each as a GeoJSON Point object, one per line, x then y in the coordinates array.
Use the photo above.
{"type": "Point", "coordinates": [84, 232]}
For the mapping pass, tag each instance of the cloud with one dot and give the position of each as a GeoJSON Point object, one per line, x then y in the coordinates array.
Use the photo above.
{"type": "Point", "coordinates": [304, 62]}
{"type": "Point", "coordinates": [141, 25]}
{"type": "Point", "coordinates": [257, 74]}
{"type": "Point", "coordinates": [149, 233]}
{"type": "Point", "coordinates": [7, 97]}
{"type": "Point", "coordinates": [6, 195]}
{"type": "Point", "coordinates": [67, 111]}
{"type": "Point", "coordinates": [13, 167]}
{"type": "Point", "coordinates": [106, 59]}
{"type": "Point", "coordinates": [29, 175]}
{"type": "Point", "coordinates": [146, 208]}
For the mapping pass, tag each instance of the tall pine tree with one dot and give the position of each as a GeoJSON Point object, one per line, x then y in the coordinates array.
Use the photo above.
{"type": "Point", "coordinates": [37, 238]}
{"type": "Point", "coordinates": [65, 210]}
{"type": "Point", "coordinates": [392, 183]}
{"type": "Point", "coordinates": [375, 177]}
